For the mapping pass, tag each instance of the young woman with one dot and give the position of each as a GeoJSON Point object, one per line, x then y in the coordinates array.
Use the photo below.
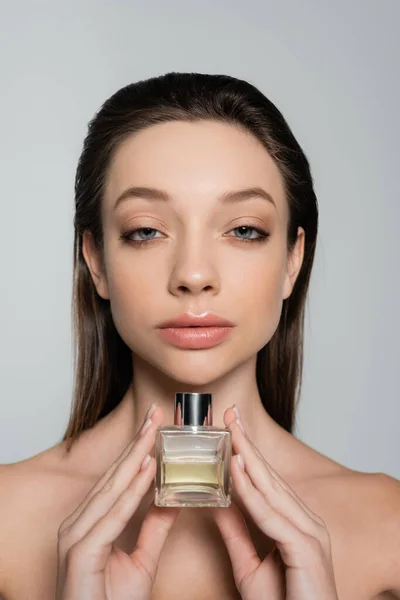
{"type": "Point", "coordinates": [193, 198]}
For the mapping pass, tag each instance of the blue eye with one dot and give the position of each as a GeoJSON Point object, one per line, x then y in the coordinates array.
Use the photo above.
{"type": "Point", "coordinates": [146, 231]}
{"type": "Point", "coordinates": [261, 233]}
{"type": "Point", "coordinates": [127, 236]}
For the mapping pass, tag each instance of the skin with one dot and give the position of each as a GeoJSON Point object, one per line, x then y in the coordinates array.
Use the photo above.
{"type": "Point", "coordinates": [196, 263]}
{"type": "Point", "coordinates": [194, 266]}
{"type": "Point", "coordinates": [294, 495]}
{"type": "Point", "coordinates": [91, 567]}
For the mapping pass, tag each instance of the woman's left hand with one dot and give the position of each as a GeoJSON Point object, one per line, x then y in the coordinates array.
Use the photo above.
{"type": "Point", "coordinates": [301, 536]}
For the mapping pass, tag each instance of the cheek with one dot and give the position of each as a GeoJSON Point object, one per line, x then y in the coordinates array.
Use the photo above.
{"type": "Point", "coordinates": [257, 295]}
{"type": "Point", "coordinates": [133, 290]}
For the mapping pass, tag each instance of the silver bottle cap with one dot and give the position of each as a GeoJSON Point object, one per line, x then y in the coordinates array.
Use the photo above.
{"type": "Point", "coordinates": [193, 409]}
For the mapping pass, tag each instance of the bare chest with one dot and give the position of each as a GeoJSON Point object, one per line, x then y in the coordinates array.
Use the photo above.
{"type": "Point", "coordinates": [36, 581]}
{"type": "Point", "coordinates": [191, 560]}
{"type": "Point", "coordinates": [194, 556]}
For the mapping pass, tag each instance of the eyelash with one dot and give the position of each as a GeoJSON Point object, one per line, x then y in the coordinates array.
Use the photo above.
{"type": "Point", "coordinates": [264, 235]}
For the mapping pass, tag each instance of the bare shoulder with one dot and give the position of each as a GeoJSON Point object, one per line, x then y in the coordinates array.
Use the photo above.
{"type": "Point", "coordinates": [384, 514]}
{"type": "Point", "coordinates": [362, 513]}
{"type": "Point", "coordinates": [15, 498]}
{"type": "Point", "coordinates": [36, 495]}
{"type": "Point", "coordinates": [36, 482]}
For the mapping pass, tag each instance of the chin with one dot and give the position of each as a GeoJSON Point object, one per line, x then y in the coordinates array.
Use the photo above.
{"type": "Point", "coordinates": [194, 370]}
{"type": "Point", "coordinates": [194, 379]}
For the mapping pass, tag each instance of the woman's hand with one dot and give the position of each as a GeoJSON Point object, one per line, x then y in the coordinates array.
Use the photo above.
{"type": "Point", "coordinates": [301, 536]}
{"type": "Point", "coordinates": [90, 567]}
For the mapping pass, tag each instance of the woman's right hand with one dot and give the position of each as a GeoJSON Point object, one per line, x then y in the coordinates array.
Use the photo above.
{"type": "Point", "coordinates": [90, 567]}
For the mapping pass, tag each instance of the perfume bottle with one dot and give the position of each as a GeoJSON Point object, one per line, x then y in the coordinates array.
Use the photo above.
{"type": "Point", "coordinates": [193, 457]}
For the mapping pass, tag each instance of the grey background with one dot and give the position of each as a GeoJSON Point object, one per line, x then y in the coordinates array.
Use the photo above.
{"type": "Point", "coordinates": [332, 68]}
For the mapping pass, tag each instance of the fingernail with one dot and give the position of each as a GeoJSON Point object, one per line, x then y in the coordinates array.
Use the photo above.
{"type": "Point", "coordinates": [236, 410]}
{"type": "Point", "coordinates": [145, 427]}
{"type": "Point", "coordinates": [151, 410]}
{"type": "Point", "coordinates": [145, 462]}
{"type": "Point", "coordinates": [240, 461]}
{"type": "Point", "coordinates": [239, 422]}
{"type": "Point", "coordinates": [238, 417]}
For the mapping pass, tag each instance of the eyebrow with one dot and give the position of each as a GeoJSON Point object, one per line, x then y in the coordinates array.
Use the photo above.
{"type": "Point", "coordinates": [226, 198]}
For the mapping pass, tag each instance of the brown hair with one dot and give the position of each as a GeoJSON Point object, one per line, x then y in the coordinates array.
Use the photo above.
{"type": "Point", "coordinates": [103, 362]}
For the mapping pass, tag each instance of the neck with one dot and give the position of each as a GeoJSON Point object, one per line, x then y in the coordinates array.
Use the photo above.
{"type": "Point", "coordinates": [238, 386]}
{"type": "Point", "coordinates": [115, 431]}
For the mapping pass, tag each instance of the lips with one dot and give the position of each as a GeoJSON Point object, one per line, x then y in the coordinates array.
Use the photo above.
{"type": "Point", "coordinates": [196, 331]}
{"type": "Point", "coordinates": [195, 337]}
{"type": "Point", "coordinates": [190, 320]}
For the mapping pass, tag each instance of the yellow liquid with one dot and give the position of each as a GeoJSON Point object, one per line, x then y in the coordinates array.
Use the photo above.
{"type": "Point", "coordinates": [192, 483]}
{"type": "Point", "coordinates": [191, 474]}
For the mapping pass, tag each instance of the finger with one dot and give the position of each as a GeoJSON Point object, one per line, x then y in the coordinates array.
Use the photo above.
{"type": "Point", "coordinates": [99, 502]}
{"type": "Point", "coordinates": [156, 415]}
{"type": "Point", "coordinates": [284, 483]}
{"type": "Point", "coordinates": [92, 551]}
{"type": "Point", "coordinates": [152, 536]}
{"type": "Point", "coordinates": [272, 522]}
{"type": "Point", "coordinates": [239, 544]}
{"type": "Point", "coordinates": [232, 416]}
{"type": "Point", "coordinates": [244, 556]}
{"type": "Point", "coordinates": [275, 490]}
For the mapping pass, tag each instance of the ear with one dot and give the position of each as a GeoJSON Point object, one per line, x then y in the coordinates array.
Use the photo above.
{"type": "Point", "coordinates": [294, 263]}
{"type": "Point", "coordinates": [95, 265]}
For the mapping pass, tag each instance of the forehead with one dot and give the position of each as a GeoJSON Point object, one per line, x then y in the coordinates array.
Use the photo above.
{"type": "Point", "coordinates": [197, 160]}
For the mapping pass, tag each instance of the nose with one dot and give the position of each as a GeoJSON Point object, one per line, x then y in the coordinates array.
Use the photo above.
{"type": "Point", "coordinates": [194, 270]}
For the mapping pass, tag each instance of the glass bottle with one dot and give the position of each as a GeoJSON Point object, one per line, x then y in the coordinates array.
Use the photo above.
{"type": "Point", "coordinates": [193, 457]}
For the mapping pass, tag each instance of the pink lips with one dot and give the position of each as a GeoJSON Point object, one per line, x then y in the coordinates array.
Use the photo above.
{"type": "Point", "coordinates": [195, 337]}
{"type": "Point", "coordinates": [191, 331]}
{"type": "Point", "coordinates": [189, 320]}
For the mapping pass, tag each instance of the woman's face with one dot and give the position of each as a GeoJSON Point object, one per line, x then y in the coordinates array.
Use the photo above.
{"type": "Point", "coordinates": [193, 258]}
